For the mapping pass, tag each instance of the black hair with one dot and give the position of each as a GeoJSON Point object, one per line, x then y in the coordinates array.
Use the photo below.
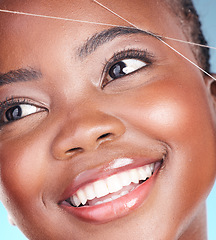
{"type": "Point", "coordinates": [191, 26]}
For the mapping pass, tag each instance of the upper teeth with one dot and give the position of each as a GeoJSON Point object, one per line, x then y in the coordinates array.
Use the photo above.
{"type": "Point", "coordinates": [111, 184]}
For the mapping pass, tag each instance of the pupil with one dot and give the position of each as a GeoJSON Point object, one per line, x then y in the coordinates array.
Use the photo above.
{"type": "Point", "coordinates": [117, 70]}
{"type": "Point", "coordinates": [13, 113]}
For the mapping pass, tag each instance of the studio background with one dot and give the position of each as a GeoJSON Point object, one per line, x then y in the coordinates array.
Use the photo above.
{"type": "Point", "coordinates": [207, 12]}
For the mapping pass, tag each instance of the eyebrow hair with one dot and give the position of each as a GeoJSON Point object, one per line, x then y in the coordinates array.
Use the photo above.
{"type": "Point", "coordinates": [107, 35]}
{"type": "Point", "coordinates": [19, 75]}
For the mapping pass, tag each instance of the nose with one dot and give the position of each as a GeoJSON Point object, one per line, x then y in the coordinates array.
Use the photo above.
{"type": "Point", "coordinates": [86, 133]}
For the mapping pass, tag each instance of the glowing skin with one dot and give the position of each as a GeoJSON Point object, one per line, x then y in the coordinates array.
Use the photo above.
{"type": "Point", "coordinates": [83, 121]}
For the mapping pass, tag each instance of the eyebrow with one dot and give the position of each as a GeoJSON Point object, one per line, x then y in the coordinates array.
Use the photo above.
{"type": "Point", "coordinates": [19, 75]}
{"type": "Point", "coordinates": [108, 35]}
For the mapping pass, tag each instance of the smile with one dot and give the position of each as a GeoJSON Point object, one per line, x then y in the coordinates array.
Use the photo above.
{"type": "Point", "coordinates": [109, 198]}
{"type": "Point", "coordinates": [111, 188]}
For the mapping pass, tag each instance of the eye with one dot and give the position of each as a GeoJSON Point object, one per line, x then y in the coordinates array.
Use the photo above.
{"type": "Point", "coordinates": [125, 67]}
{"type": "Point", "coordinates": [124, 63]}
{"type": "Point", "coordinates": [19, 111]}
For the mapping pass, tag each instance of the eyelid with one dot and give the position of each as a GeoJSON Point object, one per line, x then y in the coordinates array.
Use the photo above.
{"type": "Point", "coordinates": [11, 101]}
{"type": "Point", "coordinates": [143, 55]}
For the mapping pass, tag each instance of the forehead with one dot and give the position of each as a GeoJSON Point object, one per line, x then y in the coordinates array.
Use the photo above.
{"type": "Point", "coordinates": [24, 34]}
{"type": "Point", "coordinates": [139, 12]}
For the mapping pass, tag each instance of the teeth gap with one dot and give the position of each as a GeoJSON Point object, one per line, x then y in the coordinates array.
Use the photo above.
{"type": "Point", "coordinates": [142, 181]}
{"type": "Point", "coordinates": [81, 205]}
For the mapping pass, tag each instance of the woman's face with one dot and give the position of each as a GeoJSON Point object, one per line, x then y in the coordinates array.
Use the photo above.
{"type": "Point", "coordinates": [88, 111]}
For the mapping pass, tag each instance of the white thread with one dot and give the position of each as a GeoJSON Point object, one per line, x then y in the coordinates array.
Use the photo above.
{"type": "Point", "coordinates": [192, 43]}
{"type": "Point", "coordinates": [114, 13]}
{"type": "Point", "coordinates": [57, 18]}
{"type": "Point", "coordinates": [208, 74]}
{"type": "Point", "coordinates": [98, 23]}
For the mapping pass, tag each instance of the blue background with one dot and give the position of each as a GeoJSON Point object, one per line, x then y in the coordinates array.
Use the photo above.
{"type": "Point", "coordinates": [207, 12]}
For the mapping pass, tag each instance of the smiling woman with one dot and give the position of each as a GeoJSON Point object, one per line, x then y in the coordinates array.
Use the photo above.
{"type": "Point", "coordinates": [101, 126]}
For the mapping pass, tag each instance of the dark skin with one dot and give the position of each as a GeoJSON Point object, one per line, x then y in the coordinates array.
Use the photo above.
{"type": "Point", "coordinates": [83, 121]}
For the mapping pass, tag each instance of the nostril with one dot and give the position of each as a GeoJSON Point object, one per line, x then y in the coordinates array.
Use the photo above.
{"type": "Point", "coordinates": [74, 150]}
{"type": "Point", "coordinates": [106, 135]}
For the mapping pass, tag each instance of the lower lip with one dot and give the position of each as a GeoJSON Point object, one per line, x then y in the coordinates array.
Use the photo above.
{"type": "Point", "coordinates": [115, 209]}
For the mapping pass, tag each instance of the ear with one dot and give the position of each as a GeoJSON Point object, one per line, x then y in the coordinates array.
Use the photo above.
{"type": "Point", "coordinates": [213, 86]}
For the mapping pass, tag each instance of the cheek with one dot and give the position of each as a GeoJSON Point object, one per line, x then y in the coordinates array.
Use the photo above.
{"type": "Point", "coordinates": [23, 170]}
{"type": "Point", "coordinates": [163, 117]}
{"type": "Point", "coordinates": [168, 111]}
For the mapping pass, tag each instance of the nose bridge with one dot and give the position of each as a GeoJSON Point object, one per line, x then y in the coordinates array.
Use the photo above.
{"type": "Point", "coordinates": [86, 131]}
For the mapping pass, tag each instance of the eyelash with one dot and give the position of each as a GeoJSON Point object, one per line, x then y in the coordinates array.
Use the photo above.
{"type": "Point", "coordinates": [12, 102]}
{"type": "Point", "coordinates": [136, 54]}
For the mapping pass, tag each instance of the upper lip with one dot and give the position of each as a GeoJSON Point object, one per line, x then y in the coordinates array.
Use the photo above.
{"type": "Point", "coordinates": [114, 166]}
